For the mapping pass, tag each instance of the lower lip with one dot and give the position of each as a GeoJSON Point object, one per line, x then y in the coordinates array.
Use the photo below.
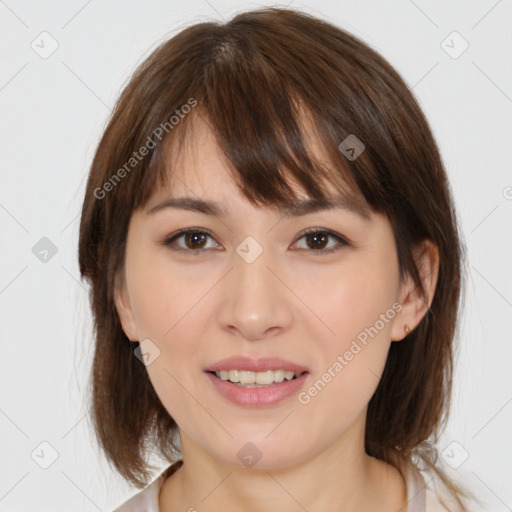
{"type": "Point", "coordinates": [257, 397]}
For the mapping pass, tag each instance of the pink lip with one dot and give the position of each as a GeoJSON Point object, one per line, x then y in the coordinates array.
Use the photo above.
{"type": "Point", "coordinates": [257, 397]}
{"type": "Point", "coordinates": [255, 365]}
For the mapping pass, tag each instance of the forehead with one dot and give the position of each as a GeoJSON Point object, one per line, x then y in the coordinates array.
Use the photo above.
{"type": "Point", "coordinates": [200, 178]}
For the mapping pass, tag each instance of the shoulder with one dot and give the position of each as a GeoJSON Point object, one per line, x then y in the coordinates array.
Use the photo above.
{"type": "Point", "coordinates": [433, 501]}
{"type": "Point", "coordinates": [147, 499]}
{"type": "Point", "coordinates": [440, 501]}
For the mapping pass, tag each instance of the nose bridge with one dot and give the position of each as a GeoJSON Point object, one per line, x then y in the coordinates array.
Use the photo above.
{"type": "Point", "coordinates": [252, 262]}
{"type": "Point", "coordinates": [256, 303]}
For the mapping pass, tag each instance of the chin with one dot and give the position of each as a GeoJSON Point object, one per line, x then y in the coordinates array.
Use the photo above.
{"type": "Point", "coordinates": [260, 453]}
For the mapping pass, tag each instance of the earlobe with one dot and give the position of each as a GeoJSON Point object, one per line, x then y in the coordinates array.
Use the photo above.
{"type": "Point", "coordinates": [414, 304]}
{"type": "Point", "coordinates": [124, 310]}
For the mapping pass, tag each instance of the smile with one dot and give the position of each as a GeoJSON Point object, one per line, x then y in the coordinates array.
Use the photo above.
{"type": "Point", "coordinates": [256, 379]}
{"type": "Point", "coordinates": [254, 395]}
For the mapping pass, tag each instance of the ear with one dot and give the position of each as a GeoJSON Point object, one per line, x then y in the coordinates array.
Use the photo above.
{"type": "Point", "coordinates": [124, 308]}
{"type": "Point", "coordinates": [414, 307]}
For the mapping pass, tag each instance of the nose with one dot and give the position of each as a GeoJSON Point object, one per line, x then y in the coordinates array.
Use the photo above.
{"type": "Point", "coordinates": [256, 301]}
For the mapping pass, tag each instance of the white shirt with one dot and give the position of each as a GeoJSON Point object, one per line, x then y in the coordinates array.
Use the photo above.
{"type": "Point", "coordinates": [420, 498]}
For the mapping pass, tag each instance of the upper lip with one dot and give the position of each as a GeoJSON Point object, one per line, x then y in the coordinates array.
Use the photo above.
{"type": "Point", "coordinates": [255, 364]}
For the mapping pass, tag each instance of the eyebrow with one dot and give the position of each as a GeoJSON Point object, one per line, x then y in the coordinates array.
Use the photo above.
{"type": "Point", "coordinates": [297, 209]}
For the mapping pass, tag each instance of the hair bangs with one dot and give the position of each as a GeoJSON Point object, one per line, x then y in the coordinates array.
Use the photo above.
{"type": "Point", "coordinates": [270, 137]}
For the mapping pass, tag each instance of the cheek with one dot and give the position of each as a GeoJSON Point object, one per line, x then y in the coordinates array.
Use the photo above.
{"type": "Point", "coordinates": [163, 295]}
{"type": "Point", "coordinates": [351, 299]}
{"type": "Point", "coordinates": [353, 337]}
{"type": "Point", "coordinates": [168, 311]}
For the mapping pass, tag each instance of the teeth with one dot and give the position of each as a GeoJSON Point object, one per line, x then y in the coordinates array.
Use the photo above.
{"type": "Point", "coordinates": [279, 375]}
{"type": "Point", "coordinates": [266, 378]}
{"type": "Point", "coordinates": [248, 378]}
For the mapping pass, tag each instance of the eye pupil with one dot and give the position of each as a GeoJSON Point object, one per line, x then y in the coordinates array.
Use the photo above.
{"type": "Point", "coordinates": [315, 237]}
{"type": "Point", "coordinates": [193, 237]}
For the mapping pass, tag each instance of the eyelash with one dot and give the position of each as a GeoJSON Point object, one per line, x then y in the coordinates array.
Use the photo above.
{"type": "Point", "coordinates": [342, 242]}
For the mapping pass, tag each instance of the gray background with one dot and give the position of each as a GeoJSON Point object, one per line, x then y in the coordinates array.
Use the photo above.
{"type": "Point", "coordinates": [53, 109]}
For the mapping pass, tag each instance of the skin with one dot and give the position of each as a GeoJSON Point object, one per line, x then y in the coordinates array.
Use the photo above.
{"type": "Point", "coordinates": [200, 308]}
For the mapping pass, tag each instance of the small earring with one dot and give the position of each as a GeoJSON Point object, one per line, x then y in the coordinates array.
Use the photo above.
{"type": "Point", "coordinates": [406, 329]}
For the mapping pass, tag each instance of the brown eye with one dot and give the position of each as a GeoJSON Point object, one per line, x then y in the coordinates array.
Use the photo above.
{"type": "Point", "coordinates": [195, 240]}
{"type": "Point", "coordinates": [318, 239]}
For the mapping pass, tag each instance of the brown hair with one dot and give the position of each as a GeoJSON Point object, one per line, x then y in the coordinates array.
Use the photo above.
{"type": "Point", "coordinates": [255, 79]}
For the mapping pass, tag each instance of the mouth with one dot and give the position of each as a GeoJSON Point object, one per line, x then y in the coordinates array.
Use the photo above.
{"type": "Point", "coordinates": [257, 382]}
{"type": "Point", "coordinates": [266, 388]}
{"type": "Point", "coordinates": [261, 379]}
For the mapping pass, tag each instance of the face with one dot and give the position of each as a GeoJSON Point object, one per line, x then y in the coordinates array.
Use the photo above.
{"type": "Point", "coordinates": [250, 284]}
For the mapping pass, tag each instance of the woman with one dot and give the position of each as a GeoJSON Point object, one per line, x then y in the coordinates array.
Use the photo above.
{"type": "Point", "coordinates": [275, 272]}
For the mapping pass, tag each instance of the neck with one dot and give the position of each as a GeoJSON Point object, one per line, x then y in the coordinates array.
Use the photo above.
{"type": "Point", "coordinates": [342, 478]}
